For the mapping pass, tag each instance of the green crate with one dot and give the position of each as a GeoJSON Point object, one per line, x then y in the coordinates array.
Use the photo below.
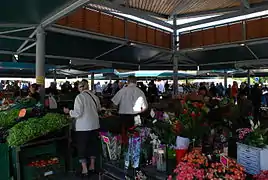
{"type": "Point", "coordinates": [39, 173]}
{"type": "Point", "coordinates": [39, 150]}
{"type": "Point", "coordinates": [4, 162]}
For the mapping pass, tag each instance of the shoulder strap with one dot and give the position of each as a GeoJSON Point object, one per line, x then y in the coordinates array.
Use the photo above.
{"type": "Point", "coordinates": [92, 99]}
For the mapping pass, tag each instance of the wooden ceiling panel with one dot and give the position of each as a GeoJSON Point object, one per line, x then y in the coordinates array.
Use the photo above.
{"type": "Point", "coordinates": [167, 7]}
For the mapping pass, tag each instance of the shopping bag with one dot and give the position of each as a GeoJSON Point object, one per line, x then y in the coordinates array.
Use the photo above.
{"type": "Point", "coordinates": [52, 103]}
{"type": "Point", "coordinates": [182, 142]}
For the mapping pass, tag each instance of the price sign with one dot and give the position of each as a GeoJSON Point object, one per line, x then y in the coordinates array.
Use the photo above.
{"type": "Point", "coordinates": [106, 139]}
{"type": "Point", "coordinates": [40, 80]}
{"type": "Point", "coordinates": [224, 160]}
{"type": "Point", "coordinates": [22, 113]}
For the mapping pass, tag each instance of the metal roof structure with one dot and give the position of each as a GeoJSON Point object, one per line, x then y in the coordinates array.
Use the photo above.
{"type": "Point", "coordinates": [84, 50]}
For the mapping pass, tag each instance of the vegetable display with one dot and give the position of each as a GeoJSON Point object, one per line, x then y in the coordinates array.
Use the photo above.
{"type": "Point", "coordinates": [24, 103]}
{"type": "Point", "coordinates": [33, 128]}
{"type": "Point", "coordinates": [7, 118]}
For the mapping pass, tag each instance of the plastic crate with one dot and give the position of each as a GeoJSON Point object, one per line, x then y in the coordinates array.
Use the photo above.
{"type": "Point", "coordinates": [38, 173]}
{"type": "Point", "coordinates": [4, 162]}
{"type": "Point", "coordinates": [253, 159]}
{"type": "Point", "coordinates": [34, 151]}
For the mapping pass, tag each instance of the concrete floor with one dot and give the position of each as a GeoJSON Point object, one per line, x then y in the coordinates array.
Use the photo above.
{"type": "Point", "coordinates": [70, 176]}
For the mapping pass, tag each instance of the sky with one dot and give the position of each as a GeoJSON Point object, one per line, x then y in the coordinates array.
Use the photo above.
{"type": "Point", "coordinates": [188, 20]}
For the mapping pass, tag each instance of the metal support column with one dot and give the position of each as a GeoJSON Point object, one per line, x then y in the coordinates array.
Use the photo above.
{"type": "Point", "coordinates": [40, 61]}
{"type": "Point", "coordinates": [92, 82]}
{"type": "Point", "coordinates": [175, 59]}
{"type": "Point", "coordinates": [225, 80]}
{"type": "Point", "coordinates": [55, 76]}
{"type": "Point", "coordinates": [248, 77]}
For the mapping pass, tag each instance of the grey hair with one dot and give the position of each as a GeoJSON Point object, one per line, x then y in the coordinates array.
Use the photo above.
{"type": "Point", "coordinates": [132, 79]}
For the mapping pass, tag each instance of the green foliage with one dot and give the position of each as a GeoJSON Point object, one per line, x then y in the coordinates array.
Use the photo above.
{"type": "Point", "coordinates": [193, 120]}
{"type": "Point", "coordinates": [257, 138]}
{"type": "Point", "coordinates": [33, 128]}
{"type": "Point", "coordinates": [7, 118]}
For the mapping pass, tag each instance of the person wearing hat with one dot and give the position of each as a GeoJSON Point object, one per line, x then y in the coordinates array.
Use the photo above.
{"type": "Point", "coordinates": [87, 124]}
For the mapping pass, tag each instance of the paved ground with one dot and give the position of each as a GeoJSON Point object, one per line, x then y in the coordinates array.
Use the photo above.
{"type": "Point", "coordinates": [70, 176]}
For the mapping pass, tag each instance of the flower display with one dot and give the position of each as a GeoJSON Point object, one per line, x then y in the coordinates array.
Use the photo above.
{"type": "Point", "coordinates": [191, 121]}
{"type": "Point", "coordinates": [243, 132]}
{"type": "Point", "coordinates": [195, 166]}
{"type": "Point", "coordinates": [262, 176]}
{"type": "Point", "coordinates": [195, 157]}
{"type": "Point", "coordinates": [219, 171]}
{"type": "Point", "coordinates": [188, 171]}
{"type": "Point", "coordinates": [254, 136]}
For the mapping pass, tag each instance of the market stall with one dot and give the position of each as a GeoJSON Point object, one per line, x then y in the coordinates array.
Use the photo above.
{"type": "Point", "coordinates": [31, 141]}
{"type": "Point", "coordinates": [207, 140]}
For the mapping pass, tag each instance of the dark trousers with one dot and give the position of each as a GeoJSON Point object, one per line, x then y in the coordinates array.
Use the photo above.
{"type": "Point", "coordinates": [127, 121]}
{"type": "Point", "coordinates": [88, 144]}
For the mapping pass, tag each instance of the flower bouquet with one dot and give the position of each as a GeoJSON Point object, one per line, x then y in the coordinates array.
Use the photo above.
{"type": "Point", "coordinates": [193, 124]}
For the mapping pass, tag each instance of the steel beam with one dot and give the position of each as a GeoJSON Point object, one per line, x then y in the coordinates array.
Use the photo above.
{"type": "Point", "coordinates": [16, 30]}
{"type": "Point", "coordinates": [252, 52]}
{"type": "Point", "coordinates": [16, 38]}
{"type": "Point", "coordinates": [63, 11]}
{"type": "Point", "coordinates": [10, 25]}
{"type": "Point", "coordinates": [110, 51]}
{"type": "Point", "coordinates": [26, 48]}
{"type": "Point", "coordinates": [226, 45]}
{"type": "Point", "coordinates": [154, 58]}
{"type": "Point", "coordinates": [26, 42]}
{"type": "Point", "coordinates": [90, 61]}
{"type": "Point", "coordinates": [93, 35]}
{"type": "Point", "coordinates": [134, 12]}
{"type": "Point", "coordinates": [223, 17]}
{"type": "Point", "coordinates": [59, 13]}
{"type": "Point", "coordinates": [245, 4]}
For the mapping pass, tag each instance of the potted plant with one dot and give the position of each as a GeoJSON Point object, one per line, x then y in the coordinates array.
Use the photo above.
{"type": "Point", "coordinates": [252, 149]}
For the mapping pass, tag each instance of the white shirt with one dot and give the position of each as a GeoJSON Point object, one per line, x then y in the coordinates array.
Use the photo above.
{"type": "Point", "coordinates": [131, 100]}
{"type": "Point", "coordinates": [180, 89]}
{"type": "Point", "coordinates": [85, 112]}
{"type": "Point", "coordinates": [98, 88]}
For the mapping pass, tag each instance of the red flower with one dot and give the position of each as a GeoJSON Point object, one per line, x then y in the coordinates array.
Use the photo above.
{"type": "Point", "coordinates": [185, 111]}
{"type": "Point", "coordinates": [182, 102]}
{"type": "Point", "coordinates": [193, 114]}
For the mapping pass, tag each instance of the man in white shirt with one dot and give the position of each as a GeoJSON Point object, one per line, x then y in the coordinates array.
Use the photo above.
{"type": "Point", "coordinates": [86, 107]}
{"type": "Point", "coordinates": [98, 89]}
{"type": "Point", "coordinates": [131, 101]}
